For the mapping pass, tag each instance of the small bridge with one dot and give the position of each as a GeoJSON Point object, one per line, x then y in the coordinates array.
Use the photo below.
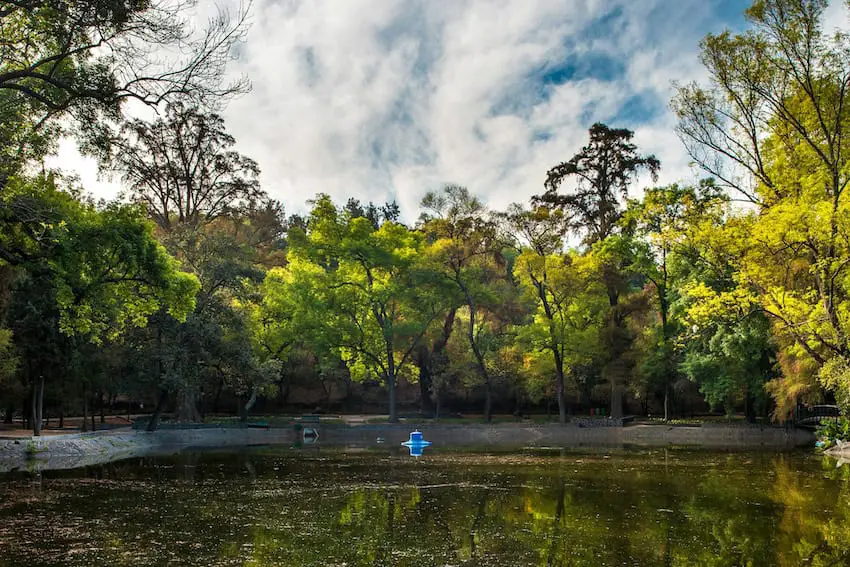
{"type": "Point", "coordinates": [815, 415]}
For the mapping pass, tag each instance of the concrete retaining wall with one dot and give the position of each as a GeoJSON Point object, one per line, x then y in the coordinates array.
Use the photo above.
{"type": "Point", "coordinates": [551, 435]}
{"type": "Point", "coordinates": [78, 450]}
{"type": "Point", "coordinates": [87, 449]}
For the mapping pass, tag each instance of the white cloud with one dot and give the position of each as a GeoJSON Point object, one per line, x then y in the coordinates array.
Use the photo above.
{"type": "Point", "coordinates": [388, 99]}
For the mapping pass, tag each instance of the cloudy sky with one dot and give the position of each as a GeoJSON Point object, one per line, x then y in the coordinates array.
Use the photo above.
{"type": "Point", "coordinates": [387, 99]}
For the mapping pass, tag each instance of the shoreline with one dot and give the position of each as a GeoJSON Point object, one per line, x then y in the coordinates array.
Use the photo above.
{"type": "Point", "coordinates": [67, 451]}
{"type": "Point", "coordinates": [841, 451]}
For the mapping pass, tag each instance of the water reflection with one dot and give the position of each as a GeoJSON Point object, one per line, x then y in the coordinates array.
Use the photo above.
{"type": "Point", "coordinates": [381, 508]}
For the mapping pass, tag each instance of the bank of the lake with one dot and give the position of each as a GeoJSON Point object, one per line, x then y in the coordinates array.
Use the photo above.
{"type": "Point", "coordinates": [841, 451]}
{"type": "Point", "coordinates": [70, 451]}
{"type": "Point", "coordinates": [86, 449]}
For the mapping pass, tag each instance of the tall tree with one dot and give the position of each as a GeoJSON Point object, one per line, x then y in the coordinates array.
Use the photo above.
{"type": "Point", "coordinates": [374, 301]}
{"type": "Point", "coordinates": [566, 290]}
{"type": "Point", "coordinates": [602, 171]}
{"type": "Point", "coordinates": [467, 251]}
{"type": "Point", "coordinates": [772, 125]}
{"type": "Point", "coordinates": [214, 217]}
{"type": "Point", "coordinates": [182, 168]}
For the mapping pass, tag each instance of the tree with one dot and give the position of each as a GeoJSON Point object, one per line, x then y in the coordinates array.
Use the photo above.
{"type": "Point", "coordinates": [603, 170]}
{"type": "Point", "coordinates": [8, 365]}
{"type": "Point", "coordinates": [664, 217]}
{"type": "Point", "coordinates": [366, 287]}
{"type": "Point", "coordinates": [216, 220]}
{"type": "Point", "coordinates": [431, 359]}
{"type": "Point", "coordinates": [372, 212]}
{"type": "Point", "coordinates": [93, 273]}
{"type": "Point", "coordinates": [86, 58]}
{"type": "Point", "coordinates": [182, 169]}
{"type": "Point", "coordinates": [566, 291]}
{"type": "Point", "coordinates": [106, 267]}
{"type": "Point", "coordinates": [772, 126]}
{"type": "Point", "coordinates": [784, 78]}
{"type": "Point", "coordinates": [466, 250]}
{"type": "Point", "coordinates": [731, 360]}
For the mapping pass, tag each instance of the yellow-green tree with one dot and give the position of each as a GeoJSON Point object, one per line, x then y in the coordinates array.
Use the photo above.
{"type": "Point", "coordinates": [371, 300]}
{"type": "Point", "coordinates": [567, 292]}
{"type": "Point", "coordinates": [465, 251]}
{"type": "Point", "coordinates": [773, 126]}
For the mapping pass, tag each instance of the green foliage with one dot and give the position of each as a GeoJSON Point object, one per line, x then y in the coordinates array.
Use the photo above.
{"type": "Point", "coordinates": [84, 59]}
{"type": "Point", "coordinates": [221, 295]}
{"type": "Point", "coordinates": [833, 431]}
{"type": "Point", "coordinates": [778, 122]}
{"type": "Point", "coordinates": [104, 266]}
{"type": "Point", "coordinates": [352, 288]}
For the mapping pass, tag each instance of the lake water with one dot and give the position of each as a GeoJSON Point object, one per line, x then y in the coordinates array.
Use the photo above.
{"type": "Point", "coordinates": [328, 507]}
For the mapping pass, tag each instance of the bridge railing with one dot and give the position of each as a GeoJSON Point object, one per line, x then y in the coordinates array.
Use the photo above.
{"type": "Point", "coordinates": [814, 415]}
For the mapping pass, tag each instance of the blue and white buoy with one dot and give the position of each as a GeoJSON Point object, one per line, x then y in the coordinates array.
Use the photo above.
{"type": "Point", "coordinates": [416, 443]}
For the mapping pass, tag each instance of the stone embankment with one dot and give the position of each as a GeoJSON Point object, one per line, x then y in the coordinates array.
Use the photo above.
{"type": "Point", "coordinates": [87, 449]}
{"type": "Point", "coordinates": [553, 435]}
{"type": "Point", "coordinates": [841, 451]}
{"type": "Point", "coordinates": [79, 450]}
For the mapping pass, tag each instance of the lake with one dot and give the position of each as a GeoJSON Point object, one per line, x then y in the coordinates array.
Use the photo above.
{"type": "Point", "coordinates": [333, 507]}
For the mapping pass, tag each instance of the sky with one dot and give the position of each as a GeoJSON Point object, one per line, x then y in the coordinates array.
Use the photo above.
{"type": "Point", "coordinates": [387, 99]}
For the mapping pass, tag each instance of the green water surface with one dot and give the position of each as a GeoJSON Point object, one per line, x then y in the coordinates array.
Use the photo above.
{"type": "Point", "coordinates": [328, 507]}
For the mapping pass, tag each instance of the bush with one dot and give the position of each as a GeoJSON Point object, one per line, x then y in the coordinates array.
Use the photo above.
{"type": "Point", "coordinates": [833, 431]}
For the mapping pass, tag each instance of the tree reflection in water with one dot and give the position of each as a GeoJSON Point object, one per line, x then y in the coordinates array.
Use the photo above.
{"type": "Point", "coordinates": [277, 507]}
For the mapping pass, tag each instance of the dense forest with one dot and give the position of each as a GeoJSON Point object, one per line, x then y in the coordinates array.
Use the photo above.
{"type": "Point", "coordinates": [195, 294]}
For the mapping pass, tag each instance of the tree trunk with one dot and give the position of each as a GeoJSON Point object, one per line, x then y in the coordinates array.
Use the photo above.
{"type": "Point", "coordinates": [187, 407]}
{"type": "Point", "coordinates": [37, 405]}
{"type": "Point", "coordinates": [423, 361]}
{"type": "Point", "coordinates": [160, 403]}
{"type": "Point", "coordinates": [217, 397]}
{"type": "Point", "coordinates": [240, 409]}
{"type": "Point", "coordinates": [85, 425]}
{"type": "Point", "coordinates": [10, 412]}
{"type": "Point", "coordinates": [488, 402]}
{"type": "Point", "coordinates": [39, 409]}
{"type": "Point", "coordinates": [61, 416]}
{"type": "Point", "coordinates": [616, 400]}
{"type": "Point", "coordinates": [248, 405]}
{"type": "Point", "coordinates": [93, 423]}
{"type": "Point", "coordinates": [390, 380]}
{"type": "Point", "coordinates": [102, 409]}
{"type": "Point", "coordinates": [36, 429]}
{"type": "Point", "coordinates": [562, 402]}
